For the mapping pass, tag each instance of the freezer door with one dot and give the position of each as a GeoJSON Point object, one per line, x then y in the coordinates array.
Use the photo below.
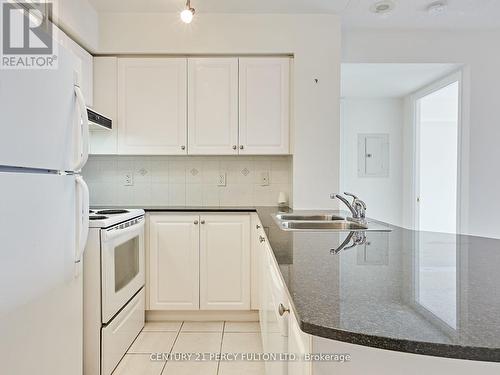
{"type": "Point", "coordinates": [41, 306]}
{"type": "Point", "coordinates": [41, 122]}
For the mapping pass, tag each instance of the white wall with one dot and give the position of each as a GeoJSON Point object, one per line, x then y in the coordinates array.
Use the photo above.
{"type": "Point", "coordinates": [314, 40]}
{"type": "Point", "coordinates": [383, 195]}
{"type": "Point", "coordinates": [478, 50]}
{"type": "Point", "coordinates": [79, 20]}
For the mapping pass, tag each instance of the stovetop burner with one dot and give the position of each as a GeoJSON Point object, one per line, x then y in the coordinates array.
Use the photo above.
{"type": "Point", "coordinates": [112, 212]}
{"type": "Point", "coordinates": [98, 217]}
{"type": "Point", "coordinates": [102, 217]}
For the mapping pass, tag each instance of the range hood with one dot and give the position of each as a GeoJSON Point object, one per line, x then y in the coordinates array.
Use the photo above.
{"type": "Point", "coordinates": [99, 122]}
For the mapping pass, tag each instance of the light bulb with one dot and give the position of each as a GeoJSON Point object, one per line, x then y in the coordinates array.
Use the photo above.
{"type": "Point", "coordinates": [187, 15]}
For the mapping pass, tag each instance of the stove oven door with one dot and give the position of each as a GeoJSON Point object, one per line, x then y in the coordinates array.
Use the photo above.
{"type": "Point", "coordinates": [122, 260]}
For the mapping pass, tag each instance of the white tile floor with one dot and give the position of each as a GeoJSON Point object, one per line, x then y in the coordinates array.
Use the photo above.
{"type": "Point", "coordinates": [193, 337]}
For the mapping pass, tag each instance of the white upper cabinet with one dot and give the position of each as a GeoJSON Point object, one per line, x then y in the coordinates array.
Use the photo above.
{"type": "Point", "coordinates": [213, 106]}
{"type": "Point", "coordinates": [152, 106]}
{"type": "Point", "coordinates": [105, 102]}
{"type": "Point", "coordinates": [264, 106]}
{"type": "Point", "coordinates": [195, 106]}
{"type": "Point", "coordinates": [225, 262]}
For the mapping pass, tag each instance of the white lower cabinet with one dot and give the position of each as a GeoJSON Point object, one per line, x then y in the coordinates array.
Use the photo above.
{"type": "Point", "coordinates": [257, 236]}
{"type": "Point", "coordinates": [274, 312]}
{"type": "Point", "coordinates": [225, 262]}
{"type": "Point", "coordinates": [174, 262]}
{"type": "Point", "coordinates": [199, 262]}
{"type": "Point", "coordinates": [280, 330]}
{"type": "Point", "coordinates": [276, 321]}
{"type": "Point", "coordinates": [299, 344]}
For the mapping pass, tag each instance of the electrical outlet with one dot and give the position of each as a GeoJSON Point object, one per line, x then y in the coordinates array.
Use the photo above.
{"type": "Point", "coordinates": [221, 181]}
{"type": "Point", "coordinates": [128, 179]}
{"type": "Point", "coordinates": [264, 178]}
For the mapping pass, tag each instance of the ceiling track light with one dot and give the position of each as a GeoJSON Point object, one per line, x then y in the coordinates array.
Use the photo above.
{"type": "Point", "coordinates": [188, 13]}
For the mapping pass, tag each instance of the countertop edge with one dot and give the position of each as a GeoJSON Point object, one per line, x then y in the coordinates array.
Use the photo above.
{"type": "Point", "coordinates": [403, 346]}
{"type": "Point", "coordinates": [201, 209]}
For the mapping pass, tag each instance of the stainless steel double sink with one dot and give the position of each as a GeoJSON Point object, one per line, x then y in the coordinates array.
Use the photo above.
{"type": "Point", "coordinates": [324, 222]}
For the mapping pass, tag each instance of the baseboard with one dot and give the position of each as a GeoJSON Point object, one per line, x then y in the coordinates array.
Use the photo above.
{"type": "Point", "coordinates": [200, 316]}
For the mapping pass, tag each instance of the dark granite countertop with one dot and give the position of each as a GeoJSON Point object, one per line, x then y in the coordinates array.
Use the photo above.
{"type": "Point", "coordinates": [188, 208]}
{"type": "Point", "coordinates": [417, 292]}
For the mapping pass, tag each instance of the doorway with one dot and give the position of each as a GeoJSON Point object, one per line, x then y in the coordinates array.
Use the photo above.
{"type": "Point", "coordinates": [437, 140]}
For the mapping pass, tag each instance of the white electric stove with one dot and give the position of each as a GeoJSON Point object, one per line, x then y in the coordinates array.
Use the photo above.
{"type": "Point", "coordinates": [113, 288]}
{"type": "Point", "coordinates": [105, 217]}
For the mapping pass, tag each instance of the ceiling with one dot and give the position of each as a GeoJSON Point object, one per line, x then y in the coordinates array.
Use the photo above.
{"type": "Point", "coordinates": [389, 80]}
{"type": "Point", "coordinates": [412, 14]}
{"type": "Point", "coordinates": [223, 6]}
{"type": "Point", "coordinates": [463, 14]}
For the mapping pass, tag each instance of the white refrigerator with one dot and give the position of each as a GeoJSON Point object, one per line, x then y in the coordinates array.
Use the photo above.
{"type": "Point", "coordinates": [44, 210]}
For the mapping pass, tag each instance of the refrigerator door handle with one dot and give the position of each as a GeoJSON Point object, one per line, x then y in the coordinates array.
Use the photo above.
{"type": "Point", "coordinates": [83, 138]}
{"type": "Point", "coordinates": [82, 217]}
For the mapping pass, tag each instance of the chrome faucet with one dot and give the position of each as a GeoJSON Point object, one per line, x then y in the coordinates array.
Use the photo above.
{"type": "Point", "coordinates": [357, 207]}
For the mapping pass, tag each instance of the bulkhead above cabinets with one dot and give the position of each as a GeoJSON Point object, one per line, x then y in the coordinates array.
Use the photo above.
{"type": "Point", "coordinates": [194, 106]}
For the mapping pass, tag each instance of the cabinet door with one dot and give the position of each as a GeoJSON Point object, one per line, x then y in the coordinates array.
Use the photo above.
{"type": "Point", "coordinates": [299, 344]}
{"type": "Point", "coordinates": [264, 105]}
{"type": "Point", "coordinates": [257, 232]}
{"type": "Point", "coordinates": [213, 106]}
{"type": "Point", "coordinates": [264, 294]}
{"type": "Point", "coordinates": [277, 325]}
{"type": "Point", "coordinates": [152, 106]}
{"type": "Point", "coordinates": [174, 262]}
{"type": "Point", "coordinates": [105, 102]}
{"type": "Point", "coordinates": [225, 262]}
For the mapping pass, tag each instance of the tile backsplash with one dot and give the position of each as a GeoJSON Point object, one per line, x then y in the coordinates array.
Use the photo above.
{"type": "Point", "coordinates": [187, 180]}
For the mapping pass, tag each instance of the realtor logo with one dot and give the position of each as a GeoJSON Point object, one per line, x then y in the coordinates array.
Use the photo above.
{"type": "Point", "coordinates": [27, 41]}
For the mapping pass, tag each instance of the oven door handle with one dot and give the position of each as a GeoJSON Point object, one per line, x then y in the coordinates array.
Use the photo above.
{"type": "Point", "coordinates": [114, 233]}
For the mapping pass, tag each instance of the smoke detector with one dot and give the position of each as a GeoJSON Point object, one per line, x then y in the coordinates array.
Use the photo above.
{"type": "Point", "coordinates": [383, 7]}
{"type": "Point", "coordinates": [436, 8]}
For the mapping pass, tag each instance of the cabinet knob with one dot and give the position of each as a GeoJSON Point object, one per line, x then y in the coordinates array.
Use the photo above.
{"type": "Point", "coordinates": [242, 147]}
{"type": "Point", "coordinates": [257, 226]}
{"type": "Point", "coordinates": [262, 239]}
{"type": "Point", "coordinates": [183, 147]}
{"type": "Point", "coordinates": [282, 310]}
{"type": "Point", "coordinates": [196, 222]}
{"type": "Point", "coordinates": [234, 147]}
{"type": "Point", "coordinates": [203, 221]}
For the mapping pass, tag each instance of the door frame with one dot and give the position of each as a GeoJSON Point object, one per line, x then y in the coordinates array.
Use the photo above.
{"type": "Point", "coordinates": [462, 148]}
